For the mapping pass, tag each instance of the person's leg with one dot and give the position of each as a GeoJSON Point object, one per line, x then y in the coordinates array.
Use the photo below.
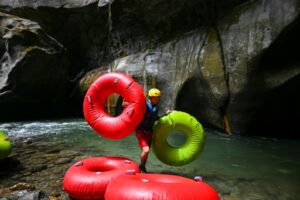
{"type": "Point", "coordinates": [144, 155]}
{"type": "Point", "coordinates": [144, 139]}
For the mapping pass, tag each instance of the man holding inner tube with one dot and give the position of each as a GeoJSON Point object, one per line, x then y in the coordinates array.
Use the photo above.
{"type": "Point", "coordinates": [145, 129]}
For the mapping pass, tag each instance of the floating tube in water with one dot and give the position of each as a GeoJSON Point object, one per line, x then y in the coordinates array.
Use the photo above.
{"type": "Point", "coordinates": [88, 179]}
{"type": "Point", "coordinates": [182, 123]}
{"type": "Point", "coordinates": [158, 186]}
{"type": "Point", "coordinates": [95, 99]}
{"type": "Point", "coordinates": [5, 146]}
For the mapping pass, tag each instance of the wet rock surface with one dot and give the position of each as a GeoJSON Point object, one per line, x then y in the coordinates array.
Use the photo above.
{"type": "Point", "coordinates": [35, 170]}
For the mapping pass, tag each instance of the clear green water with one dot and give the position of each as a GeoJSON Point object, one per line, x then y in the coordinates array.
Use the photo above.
{"type": "Point", "coordinates": [238, 167]}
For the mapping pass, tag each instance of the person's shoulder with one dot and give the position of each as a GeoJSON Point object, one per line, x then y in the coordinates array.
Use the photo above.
{"type": "Point", "coordinates": [148, 103]}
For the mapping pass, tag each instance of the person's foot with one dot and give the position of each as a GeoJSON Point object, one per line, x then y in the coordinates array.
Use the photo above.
{"type": "Point", "coordinates": [143, 168]}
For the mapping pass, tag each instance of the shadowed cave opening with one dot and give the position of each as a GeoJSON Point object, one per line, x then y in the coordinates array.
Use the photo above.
{"type": "Point", "coordinates": [280, 112]}
{"type": "Point", "coordinates": [195, 98]}
{"type": "Point", "coordinates": [276, 110]}
{"type": "Point", "coordinates": [279, 115]}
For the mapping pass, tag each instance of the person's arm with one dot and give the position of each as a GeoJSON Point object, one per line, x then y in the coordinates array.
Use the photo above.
{"type": "Point", "coordinates": [164, 114]}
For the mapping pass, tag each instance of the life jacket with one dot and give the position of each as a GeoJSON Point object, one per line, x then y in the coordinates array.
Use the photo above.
{"type": "Point", "coordinates": [150, 116]}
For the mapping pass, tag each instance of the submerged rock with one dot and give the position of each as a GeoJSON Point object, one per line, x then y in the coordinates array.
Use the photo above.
{"type": "Point", "coordinates": [22, 191]}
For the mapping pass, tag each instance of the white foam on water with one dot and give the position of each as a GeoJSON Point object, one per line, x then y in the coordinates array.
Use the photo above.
{"type": "Point", "coordinates": [36, 128]}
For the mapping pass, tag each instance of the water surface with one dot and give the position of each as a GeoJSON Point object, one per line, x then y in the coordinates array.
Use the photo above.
{"type": "Point", "coordinates": [238, 167]}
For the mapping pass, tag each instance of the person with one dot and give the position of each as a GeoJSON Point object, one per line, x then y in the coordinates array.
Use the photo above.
{"type": "Point", "coordinates": [145, 129]}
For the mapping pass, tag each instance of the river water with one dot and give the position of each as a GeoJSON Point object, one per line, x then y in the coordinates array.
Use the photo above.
{"type": "Point", "coordinates": [238, 167]}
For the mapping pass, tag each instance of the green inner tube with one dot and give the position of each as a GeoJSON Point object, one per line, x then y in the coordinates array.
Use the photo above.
{"type": "Point", "coordinates": [178, 123]}
{"type": "Point", "coordinates": [5, 146]}
{"type": "Point", "coordinates": [2, 134]}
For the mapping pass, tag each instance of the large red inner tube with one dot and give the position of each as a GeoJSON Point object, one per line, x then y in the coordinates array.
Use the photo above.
{"type": "Point", "coordinates": [88, 179]}
{"type": "Point", "coordinates": [158, 186]}
{"type": "Point", "coordinates": [95, 99]}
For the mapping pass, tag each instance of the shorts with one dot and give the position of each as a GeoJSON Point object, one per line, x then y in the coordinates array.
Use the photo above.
{"type": "Point", "coordinates": [144, 138]}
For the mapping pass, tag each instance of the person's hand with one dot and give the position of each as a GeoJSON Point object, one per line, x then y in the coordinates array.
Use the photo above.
{"type": "Point", "coordinates": [168, 112]}
{"type": "Point", "coordinates": [125, 103]}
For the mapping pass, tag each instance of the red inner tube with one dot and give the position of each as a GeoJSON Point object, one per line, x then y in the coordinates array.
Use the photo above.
{"type": "Point", "coordinates": [88, 179]}
{"type": "Point", "coordinates": [94, 105]}
{"type": "Point", "coordinates": [158, 186]}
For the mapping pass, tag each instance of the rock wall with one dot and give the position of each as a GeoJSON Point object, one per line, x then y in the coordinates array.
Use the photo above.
{"type": "Point", "coordinates": [218, 74]}
{"type": "Point", "coordinates": [246, 35]}
{"type": "Point", "coordinates": [223, 62]}
{"type": "Point", "coordinates": [33, 70]}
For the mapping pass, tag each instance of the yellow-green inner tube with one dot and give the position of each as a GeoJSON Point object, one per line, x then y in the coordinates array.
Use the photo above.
{"type": "Point", "coordinates": [178, 122]}
{"type": "Point", "coordinates": [5, 146]}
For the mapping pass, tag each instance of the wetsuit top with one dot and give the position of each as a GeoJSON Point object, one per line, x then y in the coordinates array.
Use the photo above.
{"type": "Point", "coordinates": [150, 116]}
